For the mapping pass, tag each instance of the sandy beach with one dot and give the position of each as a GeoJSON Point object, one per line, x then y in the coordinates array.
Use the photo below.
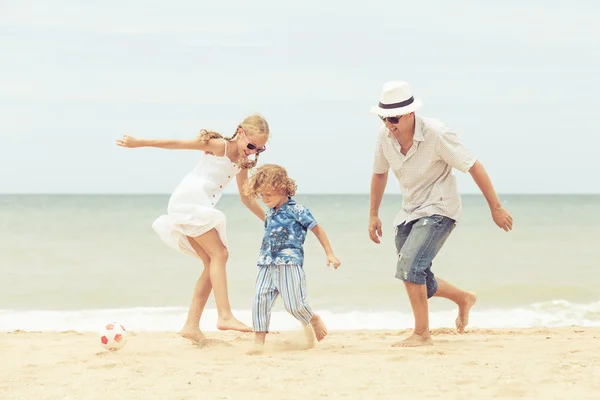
{"type": "Point", "coordinates": [488, 364]}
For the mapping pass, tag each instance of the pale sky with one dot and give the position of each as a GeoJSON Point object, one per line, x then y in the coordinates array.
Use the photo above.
{"type": "Point", "coordinates": [518, 81]}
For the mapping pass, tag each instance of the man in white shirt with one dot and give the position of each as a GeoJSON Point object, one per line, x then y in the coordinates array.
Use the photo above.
{"type": "Point", "coordinates": [421, 152]}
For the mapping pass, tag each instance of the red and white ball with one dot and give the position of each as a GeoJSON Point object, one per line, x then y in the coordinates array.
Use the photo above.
{"type": "Point", "coordinates": [113, 336]}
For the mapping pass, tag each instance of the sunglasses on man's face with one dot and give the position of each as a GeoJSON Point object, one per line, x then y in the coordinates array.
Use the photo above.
{"type": "Point", "coordinates": [391, 120]}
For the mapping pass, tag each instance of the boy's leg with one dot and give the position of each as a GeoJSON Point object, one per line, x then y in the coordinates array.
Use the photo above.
{"type": "Point", "coordinates": [417, 244]}
{"type": "Point", "coordinates": [292, 286]}
{"type": "Point", "coordinates": [264, 298]}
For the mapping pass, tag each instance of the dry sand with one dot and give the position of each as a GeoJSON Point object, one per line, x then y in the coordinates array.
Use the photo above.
{"type": "Point", "coordinates": [482, 364]}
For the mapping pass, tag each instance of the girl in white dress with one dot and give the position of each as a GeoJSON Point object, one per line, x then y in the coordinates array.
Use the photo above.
{"type": "Point", "coordinates": [193, 226]}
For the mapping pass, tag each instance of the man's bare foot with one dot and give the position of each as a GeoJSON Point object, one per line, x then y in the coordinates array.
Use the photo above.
{"type": "Point", "coordinates": [232, 324]}
{"type": "Point", "coordinates": [256, 349]}
{"type": "Point", "coordinates": [192, 333]}
{"type": "Point", "coordinates": [463, 311]}
{"type": "Point", "coordinates": [415, 340]}
{"type": "Point", "coordinates": [319, 327]}
{"type": "Point", "coordinates": [310, 336]}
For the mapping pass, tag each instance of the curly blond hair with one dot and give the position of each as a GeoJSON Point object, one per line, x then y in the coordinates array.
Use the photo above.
{"type": "Point", "coordinates": [270, 177]}
{"type": "Point", "coordinates": [253, 125]}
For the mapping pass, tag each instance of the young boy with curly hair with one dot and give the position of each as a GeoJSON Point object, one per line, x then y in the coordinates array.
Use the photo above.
{"type": "Point", "coordinates": [281, 258]}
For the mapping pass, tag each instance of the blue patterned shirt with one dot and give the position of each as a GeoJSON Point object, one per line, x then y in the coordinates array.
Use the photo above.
{"type": "Point", "coordinates": [285, 232]}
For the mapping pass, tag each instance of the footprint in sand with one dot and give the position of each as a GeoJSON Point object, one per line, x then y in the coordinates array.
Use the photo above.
{"type": "Point", "coordinates": [105, 366]}
{"type": "Point", "coordinates": [209, 343]}
{"type": "Point", "coordinates": [397, 358]}
{"type": "Point", "coordinates": [436, 353]}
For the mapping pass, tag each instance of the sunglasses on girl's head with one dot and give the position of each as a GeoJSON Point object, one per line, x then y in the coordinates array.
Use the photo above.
{"type": "Point", "coordinates": [252, 146]}
{"type": "Point", "coordinates": [391, 120]}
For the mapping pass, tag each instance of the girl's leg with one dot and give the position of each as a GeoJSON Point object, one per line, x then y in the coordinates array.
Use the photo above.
{"type": "Point", "coordinates": [217, 252]}
{"type": "Point", "coordinates": [202, 289]}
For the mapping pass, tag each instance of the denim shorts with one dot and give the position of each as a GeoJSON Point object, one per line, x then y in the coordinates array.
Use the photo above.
{"type": "Point", "coordinates": [417, 243]}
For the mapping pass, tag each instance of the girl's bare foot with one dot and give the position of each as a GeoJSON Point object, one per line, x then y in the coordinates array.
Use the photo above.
{"type": "Point", "coordinates": [192, 333]}
{"type": "Point", "coordinates": [232, 324]}
{"type": "Point", "coordinates": [415, 340]}
{"type": "Point", "coordinates": [463, 311]}
{"type": "Point", "coordinates": [319, 327]}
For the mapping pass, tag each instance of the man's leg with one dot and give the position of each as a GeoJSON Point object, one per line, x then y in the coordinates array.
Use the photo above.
{"type": "Point", "coordinates": [464, 299]}
{"type": "Point", "coordinates": [417, 294]}
{"type": "Point", "coordinates": [417, 244]}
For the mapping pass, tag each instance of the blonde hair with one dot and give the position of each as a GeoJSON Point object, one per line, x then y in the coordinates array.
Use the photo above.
{"type": "Point", "coordinates": [253, 125]}
{"type": "Point", "coordinates": [270, 177]}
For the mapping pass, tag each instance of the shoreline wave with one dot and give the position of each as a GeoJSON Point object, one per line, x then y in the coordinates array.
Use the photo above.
{"type": "Point", "coordinates": [556, 313]}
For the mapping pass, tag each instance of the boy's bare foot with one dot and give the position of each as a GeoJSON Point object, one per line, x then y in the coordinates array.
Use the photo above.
{"type": "Point", "coordinates": [319, 327]}
{"type": "Point", "coordinates": [256, 349]}
{"type": "Point", "coordinates": [259, 343]}
{"type": "Point", "coordinates": [463, 311]}
{"type": "Point", "coordinates": [415, 340]}
{"type": "Point", "coordinates": [192, 333]}
{"type": "Point", "coordinates": [310, 336]}
{"type": "Point", "coordinates": [232, 324]}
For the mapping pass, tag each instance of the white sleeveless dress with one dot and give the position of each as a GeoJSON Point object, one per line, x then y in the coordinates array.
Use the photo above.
{"type": "Point", "coordinates": [191, 210]}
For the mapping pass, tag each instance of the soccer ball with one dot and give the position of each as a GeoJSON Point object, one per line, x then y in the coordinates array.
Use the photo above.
{"type": "Point", "coordinates": [113, 336]}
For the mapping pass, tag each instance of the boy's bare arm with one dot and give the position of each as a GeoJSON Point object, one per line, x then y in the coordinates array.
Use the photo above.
{"type": "Point", "coordinates": [331, 258]}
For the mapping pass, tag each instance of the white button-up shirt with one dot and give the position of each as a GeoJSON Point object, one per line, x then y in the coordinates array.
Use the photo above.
{"type": "Point", "coordinates": [427, 183]}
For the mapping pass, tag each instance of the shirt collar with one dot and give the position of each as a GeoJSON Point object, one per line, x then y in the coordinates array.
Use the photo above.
{"type": "Point", "coordinates": [288, 203]}
{"type": "Point", "coordinates": [418, 130]}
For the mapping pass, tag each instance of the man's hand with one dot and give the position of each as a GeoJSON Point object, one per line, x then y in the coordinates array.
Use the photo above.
{"type": "Point", "coordinates": [375, 228]}
{"type": "Point", "coordinates": [502, 218]}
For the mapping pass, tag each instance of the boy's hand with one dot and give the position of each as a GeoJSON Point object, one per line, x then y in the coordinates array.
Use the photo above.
{"type": "Point", "coordinates": [331, 259]}
{"type": "Point", "coordinates": [129, 141]}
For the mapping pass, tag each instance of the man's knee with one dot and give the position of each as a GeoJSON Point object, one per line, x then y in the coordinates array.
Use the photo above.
{"type": "Point", "coordinates": [432, 287]}
{"type": "Point", "coordinates": [407, 269]}
{"type": "Point", "coordinates": [418, 276]}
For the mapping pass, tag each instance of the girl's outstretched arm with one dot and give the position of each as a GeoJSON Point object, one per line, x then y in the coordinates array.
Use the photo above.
{"type": "Point", "coordinates": [252, 204]}
{"type": "Point", "coordinates": [216, 146]}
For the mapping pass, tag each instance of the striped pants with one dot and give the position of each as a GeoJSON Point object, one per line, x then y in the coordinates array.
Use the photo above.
{"type": "Point", "coordinates": [285, 280]}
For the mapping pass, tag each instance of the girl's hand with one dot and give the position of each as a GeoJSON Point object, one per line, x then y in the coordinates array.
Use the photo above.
{"type": "Point", "coordinates": [331, 259]}
{"type": "Point", "coordinates": [129, 141]}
